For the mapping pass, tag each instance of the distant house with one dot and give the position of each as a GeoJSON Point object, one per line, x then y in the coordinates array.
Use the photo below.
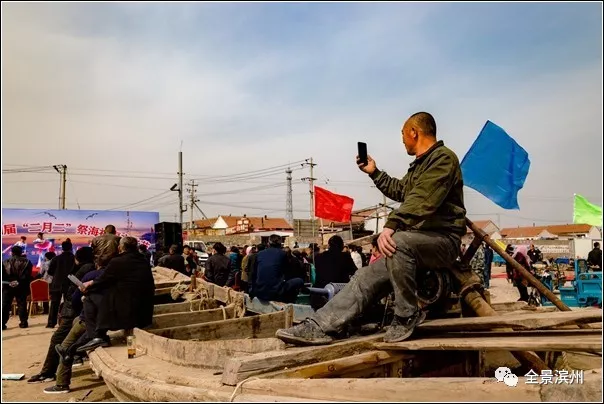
{"type": "Point", "coordinates": [485, 225]}
{"type": "Point", "coordinates": [226, 225]}
{"type": "Point", "coordinates": [560, 232]}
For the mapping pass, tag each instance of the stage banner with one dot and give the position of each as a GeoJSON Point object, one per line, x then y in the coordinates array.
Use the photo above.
{"type": "Point", "coordinates": [80, 226]}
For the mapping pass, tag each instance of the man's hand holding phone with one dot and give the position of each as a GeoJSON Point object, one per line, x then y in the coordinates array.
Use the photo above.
{"type": "Point", "coordinates": [368, 168]}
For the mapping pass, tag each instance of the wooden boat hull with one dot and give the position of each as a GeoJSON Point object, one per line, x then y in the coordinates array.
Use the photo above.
{"type": "Point", "coordinates": [192, 354]}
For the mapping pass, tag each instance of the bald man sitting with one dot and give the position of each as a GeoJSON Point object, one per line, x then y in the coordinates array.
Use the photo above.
{"type": "Point", "coordinates": [424, 232]}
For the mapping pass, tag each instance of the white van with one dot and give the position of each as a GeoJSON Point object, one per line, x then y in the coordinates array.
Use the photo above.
{"type": "Point", "coordinates": [200, 249]}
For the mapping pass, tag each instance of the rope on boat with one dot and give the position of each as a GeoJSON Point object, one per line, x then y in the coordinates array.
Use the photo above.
{"type": "Point", "coordinates": [239, 386]}
{"type": "Point", "coordinates": [238, 300]}
{"type": "Point", "coordinates": [178, 290]}
{"type": "Point", "coordinates": [224, 316]}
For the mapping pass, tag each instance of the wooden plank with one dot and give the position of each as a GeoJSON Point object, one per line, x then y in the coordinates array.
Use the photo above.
{"type": "Point", "coordinates": [336, 367]}
{"type": "Point", "coordinates": [163, 291]}
{"type": "Point", "coordinates": [238, 369]}
{"type": "Point", "coordinates": [202, 354]}
{"type": "Point", "coordinates": [396, 390]}
{"type": "Point", "coordinates": [535, 333]}
{"type": "Point", "coordinates": [529, 321]}
{"type": "Point", "coordinates": [511, 343]}
{"type": "Point", "coordinates": [263, 326]}
{"type": "Point", "coordinates": [175, 307]}
{"type": "Point", "coordinates": [191, 317]}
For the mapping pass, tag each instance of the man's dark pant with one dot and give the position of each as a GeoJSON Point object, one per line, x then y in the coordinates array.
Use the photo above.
{"type": "Point", "coordinates": [51, 363]}
{"type": "Point", "coordinates": [415, 250]}
{"type": "Point", "coordinates": [91, 311]}
{"type": "Point", "coordinates": [289, 290]}
{"type": "Point", "coordinates": [20, 295]}
{"type": "Point", "coordinates": [53, 313]}
{"type": "Point", "coordinates": [487, 273]}
{"type": "Point", "coordinates": [78, 329]}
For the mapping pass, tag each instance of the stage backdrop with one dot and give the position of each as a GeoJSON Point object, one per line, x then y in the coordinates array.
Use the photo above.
{"type": "Point", "coordinates": [81, 226]}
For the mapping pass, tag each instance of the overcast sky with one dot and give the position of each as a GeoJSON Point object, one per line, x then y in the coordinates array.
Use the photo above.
{"type": "Point", "coordinates": [112, 90]}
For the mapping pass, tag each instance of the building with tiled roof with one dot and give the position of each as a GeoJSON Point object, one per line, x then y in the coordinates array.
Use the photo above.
{"type": "Point", "coordinates": [565, 231]}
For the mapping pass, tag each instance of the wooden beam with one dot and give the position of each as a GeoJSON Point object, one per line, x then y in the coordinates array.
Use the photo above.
{"type": "Point", "coordinates": [262, 326]}
{"type": "Point", "coordinates": [168, 308]}
{"type": "Point", "coordinates": [336, 367]}
{"type": "Point", "coordinates": [191, 317]}
{"type": "Point", "coordinates": [238, 369]}
{"type": "Point", "coordinates": [528, 321]}
{"type": "Point", "coordinates": [511, 343]}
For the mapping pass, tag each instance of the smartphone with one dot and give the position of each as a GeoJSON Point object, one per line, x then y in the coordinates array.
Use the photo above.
{"type": "Point", "coordinates": [362, 152]}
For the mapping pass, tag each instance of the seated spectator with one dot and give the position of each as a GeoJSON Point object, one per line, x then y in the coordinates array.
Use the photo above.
{"type": "Point", "coordinates": [218, 266]}
{"type": "Point", "coordinates": [269, 272]}
{"type": "Point", "coordinates": [83, 261]}
{"type": "Point", "coordinates": [121, 298]}
{"type": "Point", "coordinates": [173, 260]}
{"type": "Point", "coordinates": [77, 336]}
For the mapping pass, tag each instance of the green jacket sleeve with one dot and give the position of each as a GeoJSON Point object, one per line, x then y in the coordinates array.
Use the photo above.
{"type": "Point", "coordinates": [391, 187]}
{"type": "Point", "coordinates": [427, 195]}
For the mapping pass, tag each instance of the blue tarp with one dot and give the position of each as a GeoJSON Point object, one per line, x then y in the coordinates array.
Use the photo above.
{"type": "Point", "coordinates": [496, 166]}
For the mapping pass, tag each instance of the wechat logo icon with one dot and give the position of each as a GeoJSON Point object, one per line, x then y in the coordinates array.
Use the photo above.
{"type": "Point", "coordinates": [506, 376]}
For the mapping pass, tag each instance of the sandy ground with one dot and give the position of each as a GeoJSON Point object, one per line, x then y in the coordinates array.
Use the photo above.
{"type": "Point", "coordinates": [23, 351]}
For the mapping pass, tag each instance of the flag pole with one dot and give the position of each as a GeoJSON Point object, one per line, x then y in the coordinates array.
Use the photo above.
{"type": "Point", "coordinates": [351, 236]}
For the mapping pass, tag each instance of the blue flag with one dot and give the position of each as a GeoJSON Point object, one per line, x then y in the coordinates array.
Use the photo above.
{"type": "Point", "coordinates": [496, 166]}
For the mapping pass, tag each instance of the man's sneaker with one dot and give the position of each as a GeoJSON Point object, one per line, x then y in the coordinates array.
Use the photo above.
{"type": "Point", "coordinates": [77, 362]}
{"type": "Point", "coordinates": [306, 333]}
{"type": "Point", "coordinates": [402, 328]}
{"type": "Point", "coordinates": [56, 389]}
{"type": "Point", "coordinates": [41, 379]}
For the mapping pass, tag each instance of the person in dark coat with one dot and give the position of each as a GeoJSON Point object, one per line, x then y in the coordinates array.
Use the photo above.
{"type": "Point", "coordinates": [121, 297]}
{"type": "Point", "coordinates": [594, 258]}
{"type": "Point", "coordinates": [218, 266]}
{"type": "Point", "coordinates": [16, 271]}
{"type": "Point", "coordinates": [334, 265]}
{"type": "Point", "coordinates": [60, 266]}
{"type": "Point", "coordinates": [173, 260]}
{"type": "Point", "coordinates": [488, 261]}
{"type": "Point", "coordinates": [268, 275]}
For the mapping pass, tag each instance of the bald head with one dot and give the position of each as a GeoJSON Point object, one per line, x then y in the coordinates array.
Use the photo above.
{"type": "Point", "coordinates": [419, 133]}
{"type": "Point", "coordinates": [422, 122]}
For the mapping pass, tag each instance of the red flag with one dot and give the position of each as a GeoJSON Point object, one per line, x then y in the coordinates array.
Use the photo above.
{"type": "Point", "coordinates": [332, 206]}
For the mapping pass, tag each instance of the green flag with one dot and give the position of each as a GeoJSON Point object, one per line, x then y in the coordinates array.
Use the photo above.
{"type": "Point", "coordinates": [586, 213]}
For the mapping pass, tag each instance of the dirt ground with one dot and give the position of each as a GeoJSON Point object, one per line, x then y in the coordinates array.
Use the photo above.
{"type": "Point", "coordinates": [23, 351]}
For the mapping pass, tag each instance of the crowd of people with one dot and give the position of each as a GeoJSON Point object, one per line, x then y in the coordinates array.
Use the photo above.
{"type": "Point", "coordinates": [115, 292]}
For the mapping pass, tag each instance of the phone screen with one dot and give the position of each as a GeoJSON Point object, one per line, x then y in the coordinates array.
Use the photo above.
{"type": "Point", "coordinates": [362, 152]}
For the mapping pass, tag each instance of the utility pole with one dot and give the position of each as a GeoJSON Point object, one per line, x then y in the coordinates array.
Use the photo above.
{"type": "Point", "coordinates": [191, 190]}
{"type": "Point", "coordinates": [311, 180]}
{"type": "Point", "coordinates": [289, 204]}
{"type": "Point", "coordinates": [62, 170]}
{"type": "Point", "coordinates": [180, 190]}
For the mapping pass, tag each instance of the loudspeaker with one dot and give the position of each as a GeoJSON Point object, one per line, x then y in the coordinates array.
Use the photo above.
{"type": "Point", "coordinates": [166, 234]}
